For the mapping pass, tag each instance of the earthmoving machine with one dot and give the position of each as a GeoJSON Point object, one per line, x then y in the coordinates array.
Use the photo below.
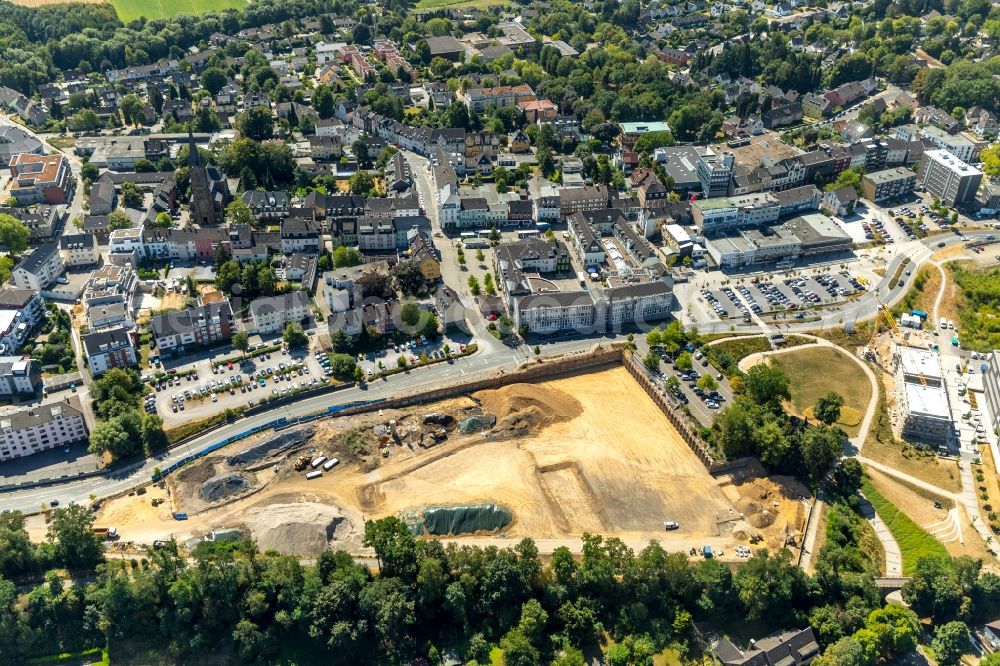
{"type": "Point", "coordinates": [302, 462]}
{"type": "Point", "coordinates": [883, 313]}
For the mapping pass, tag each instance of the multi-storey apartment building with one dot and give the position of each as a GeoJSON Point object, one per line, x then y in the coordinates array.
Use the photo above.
{"type": "Point", "coordinates": [28, 431]}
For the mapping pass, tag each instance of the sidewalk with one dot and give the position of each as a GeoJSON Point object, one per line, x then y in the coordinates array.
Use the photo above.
{"type": "Point", "coordinates": [893, 556]}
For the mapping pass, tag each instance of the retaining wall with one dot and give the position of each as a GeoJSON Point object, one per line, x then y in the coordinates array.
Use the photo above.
{"type": "Point", "coordinates": [531, 373]}
{"type": "Point", "coordinates": [673, 413]}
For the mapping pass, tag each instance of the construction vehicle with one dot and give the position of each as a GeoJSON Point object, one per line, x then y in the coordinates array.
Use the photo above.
{"type": "Point", "coordinates": [107, 533]}
{"type": "Point", "coordinates": [302, 462]}
{"type": "Point", "coordinates": [883, 313]}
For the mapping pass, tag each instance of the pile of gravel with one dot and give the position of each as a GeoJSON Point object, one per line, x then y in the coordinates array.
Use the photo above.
{"type": "Point", "coordinates": [224, 485]}
{"type": "Point", "coordinates": [271, 447]}
{"type": "Point", "coordinates": [477, 423]}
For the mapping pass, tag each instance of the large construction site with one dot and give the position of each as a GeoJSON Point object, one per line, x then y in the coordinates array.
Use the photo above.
{"type": "Point", "coordinates": [585, 453]}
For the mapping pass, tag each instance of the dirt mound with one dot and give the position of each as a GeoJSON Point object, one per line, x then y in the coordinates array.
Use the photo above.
{"type": "Point", "coordinates": [300, 528]}
{"type": "Point", "coordinates": [198, 472]}
{"type": "Point", "coordinates": [521, 408]}
{"type": "Point", "coordinates": [271, 447]}
{"type": "Point", "coordinates": [224, 485]}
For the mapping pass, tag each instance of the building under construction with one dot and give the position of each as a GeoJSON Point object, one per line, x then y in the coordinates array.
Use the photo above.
{"type": "Point", "coordinates": [923, 399]}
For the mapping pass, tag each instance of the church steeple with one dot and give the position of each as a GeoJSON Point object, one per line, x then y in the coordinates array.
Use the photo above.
{"type": "Point", "coordinates": [194, 158]}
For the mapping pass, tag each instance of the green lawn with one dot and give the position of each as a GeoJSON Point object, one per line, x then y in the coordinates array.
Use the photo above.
{"type": "Point", "coordinates": [914, 542]}
{"type": "Point", "coordinates": [815, 371]}
{"type": "Point", "coordinates": [129, 10]}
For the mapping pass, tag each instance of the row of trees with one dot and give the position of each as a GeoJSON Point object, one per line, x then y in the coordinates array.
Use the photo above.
{"type": "Point", "coordinates": [429, 599]}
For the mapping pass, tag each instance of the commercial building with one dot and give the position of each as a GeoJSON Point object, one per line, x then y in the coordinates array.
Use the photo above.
{"type": "Point", "coordinates": [271, 314]}
{"type": "Point", "coordinates": [888, 184]}
{"type": "Point", "coordinates": [715, 172]}
{"type": "Point", "coordinates": [205, 324]}
{"type": "Point", "coordinates": [803, 236]}
{"type": "Point", "coordinates": [945, 176]}
{"type": "Point", "coordinates": [477, 99]}
{"type": "Point", "coordinates": [20, 375]}
{"type": "Point", "coordinates": [28, 431]}
{"type": "Point", "coordinates": [39, 268]}
{"type": "Point", "coordinates": [110, 348]}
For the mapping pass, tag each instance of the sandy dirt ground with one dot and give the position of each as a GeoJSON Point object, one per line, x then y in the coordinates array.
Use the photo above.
{"type": "Point", "coordinates": [586, 453]}
{"type": "Point", "coordinates": [944, 524]}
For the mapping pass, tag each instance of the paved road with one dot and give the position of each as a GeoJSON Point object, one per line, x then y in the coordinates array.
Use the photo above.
{"type": "Point", "coordinates": [893, 556]}
{"type": "Point", "coordinates": [479, 365]}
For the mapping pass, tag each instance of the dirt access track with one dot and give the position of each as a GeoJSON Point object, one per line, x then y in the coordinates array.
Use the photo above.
{"type": "Point", "coordinates": [582, 453]}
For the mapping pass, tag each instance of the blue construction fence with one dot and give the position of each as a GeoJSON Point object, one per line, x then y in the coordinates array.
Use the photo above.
{"type": "Point", "coordinates": [277, 424]}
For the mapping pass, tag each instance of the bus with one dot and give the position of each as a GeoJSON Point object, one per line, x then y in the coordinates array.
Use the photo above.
{"type": "Point", "coordinates": [528, 233]}
{"type": "Point", "coordinates": [485, 233]}
{"type": "Point", "coordinates": [468, 234]}
{"type": "Point", "coordinates": [476, 243]}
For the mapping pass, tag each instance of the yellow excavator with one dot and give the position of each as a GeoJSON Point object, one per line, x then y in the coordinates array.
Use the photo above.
{"type": "Point", "coordinates": [890, 322]}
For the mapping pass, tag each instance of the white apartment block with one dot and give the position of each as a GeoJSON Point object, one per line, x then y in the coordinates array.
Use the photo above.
{"type": "Point", "coordinates": [28, 431]}
{"type": "Point", "coordinates": [271, 314]}
{"type": "Point", "coordinates": [39, 268]}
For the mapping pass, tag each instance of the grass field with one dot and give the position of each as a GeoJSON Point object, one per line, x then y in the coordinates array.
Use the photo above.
{"type": "Point", "coordinates": [815, 371]}
{"type": "Point", "coordinates": [460, 4]}
{"type": "Point", "coordinates": [914, 542]}
{"type": "Point", "coordinates": [129, 10]}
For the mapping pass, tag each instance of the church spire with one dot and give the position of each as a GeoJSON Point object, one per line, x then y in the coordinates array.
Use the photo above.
{"type": "Point", "coordinates": [194, 158]}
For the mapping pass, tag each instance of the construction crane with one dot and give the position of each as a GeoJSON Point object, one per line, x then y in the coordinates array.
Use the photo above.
{"type": "Point", "coordinates": [883, 313]}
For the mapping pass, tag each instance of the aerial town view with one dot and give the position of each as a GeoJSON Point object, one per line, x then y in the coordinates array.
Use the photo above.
{"type": "Point", "coordinates": [500, 332]}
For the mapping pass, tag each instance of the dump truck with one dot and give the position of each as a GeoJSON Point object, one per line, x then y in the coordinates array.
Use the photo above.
{"type": "Point", "coordinates": [108, 533]}
{"type": "Point", "coordinates": [179, 515]}
{"type": "Point", "coordinates": [706, 552]}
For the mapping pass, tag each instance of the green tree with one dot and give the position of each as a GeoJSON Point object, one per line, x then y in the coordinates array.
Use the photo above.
{"type": "Point", "coordinates": [342, 366]}
{"type": "Point", "coordinates": [14, 234]}
{"type": "Point", "coordinates": [951, 641]}
{"type": "Point", "coordinates": [241, 342]}
{"type": "Point", "coordinates": [651, 361]}
{"type": "Point", "coordinates": [339, 340]}
{"type": "Point", "coordinates": [131, 107]}
{"type": "Point", "coordinates": [323, 102]}
{"type": "Point", "coordinates": [395, 548]}
{"type": "Point", "coordinates": [362, 183]}
{"type": "Point", "coordinates": [767, 385]}
{"type": "Point", "coordinates": [821, 447]}
{"type": "Point", "coordinates": [119, 219]}
{"type": "Point", "coordinates": [707, 383]}
{"type": "Point", "coordinates": [360, 150]}
{"type": "Point", "coordinates": [408, 277]}
{"type": "Point", "coordinates": [518, 650]}
{"type": "Point", "coordinates": [163, 221]}
{"type": "Point", "coordinates": [294, 336]}
{"type": "Point", "coordinates": [71, 532]}
{"type": "Point", "coordinates": [131, 195]}
{"type": "Point", "coordinates": [213, 79]}
{"type": "Point", "coordinates": [473, 285]}
{"type": "Point", "coordinates": [488, 285]}
{"type": "Point", "coordinates": [17, 554]}
{"type": "Point", "coordinates": [684, 361]}
{"type": "Point", "coordinates": [256, 123]}
{"type": "Point", "coordinates": [827, 407]}
{"type": "Point", "coordinates": [347, 256]}
{"type": "Point", "coordinates": [238, 212]}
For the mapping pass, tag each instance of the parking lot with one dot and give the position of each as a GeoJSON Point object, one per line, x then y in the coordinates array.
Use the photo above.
{"type": "Point", "coordinates": [701, 402]}
{"type": "Point", "coordinates": [412, 351]}
{"type": "Point", "coordinates": [791, 293]}
{"type": "Point", "coordinates": [201, 389]}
